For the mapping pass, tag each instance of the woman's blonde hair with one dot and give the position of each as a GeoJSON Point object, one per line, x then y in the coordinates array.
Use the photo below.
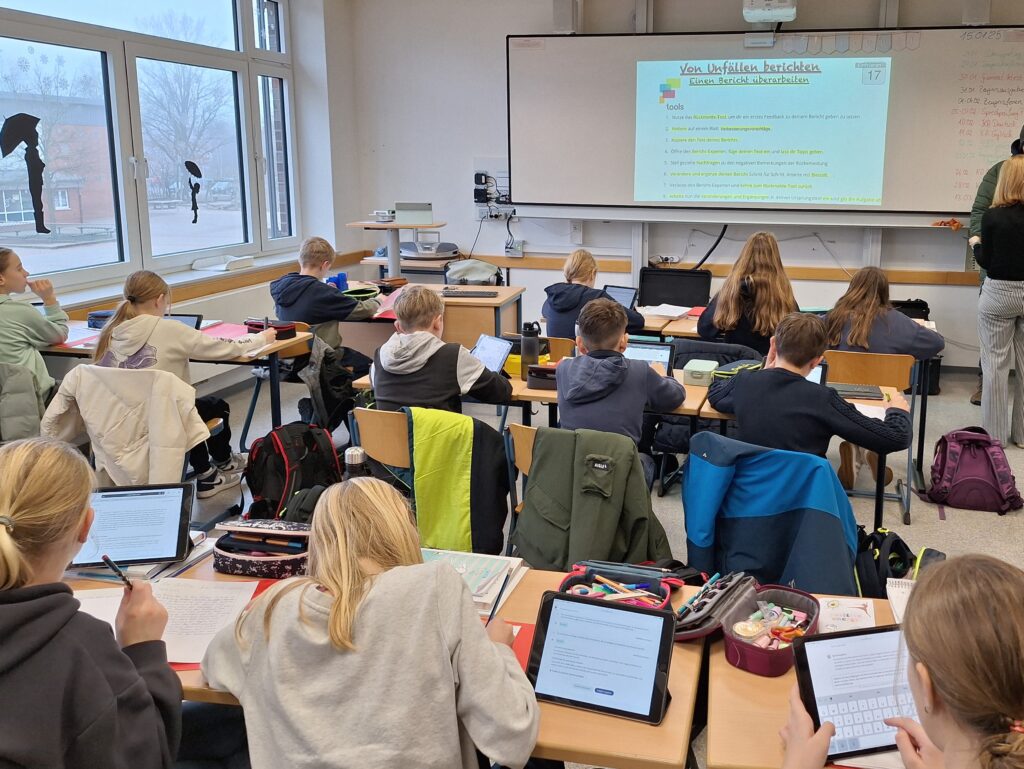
{"type": "Point", "coordinates": [1010, 185]}
{"type": "Point", "coordinates": [757, 287]}
{"type": "Point", "coordinates": [865, 300]}
{"type": "Point", "coordinates": [357, 524]}
{"type": "Point", "coordinates": [140, 287]}
{"type": "Point", "coordinates": [43, 497]}
{"type": "Point", "coordinates": [965, 623]}
{"type": "Point", "coordinates": [580, 267]}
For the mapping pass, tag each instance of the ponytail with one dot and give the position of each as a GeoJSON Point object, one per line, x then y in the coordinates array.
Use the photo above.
{"type": "Point", "coordinates": [140, 287]}
{"type": "Point", "coordinates": [1003, 751]}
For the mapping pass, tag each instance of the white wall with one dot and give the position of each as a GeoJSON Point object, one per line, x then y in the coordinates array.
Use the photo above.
{"type": "Point", "coordinates": [428, 96]}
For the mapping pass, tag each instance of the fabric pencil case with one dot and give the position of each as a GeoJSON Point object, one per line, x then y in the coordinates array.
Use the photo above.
{"type": "Point", "coordinates": [655, 593]}
{"type": "Point", "coordinates": [98, 318]}
{"type": "Point", "coordinates": [265, 549]}
{"type": "Point", "coordinates": [284, 329]}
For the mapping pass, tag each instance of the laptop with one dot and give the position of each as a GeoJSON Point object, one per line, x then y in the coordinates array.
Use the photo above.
{"type": "Point", "coordinates": [492, 351]}
{"type": "Point", "coordinates": [819, 374]}
{"type": "Point", "coordinates": [192, 321]}
{"type": "Point", "coordinates": [652, 352]}
{"type": "Point", "coordinates": [138, 524]}
{"type": "Point", "coordinates": [624, 295]}
{"type": "Point", "coordinates": [602, 656]}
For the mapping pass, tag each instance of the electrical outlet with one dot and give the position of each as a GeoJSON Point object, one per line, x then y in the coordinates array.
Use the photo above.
{"type": "Point", "coordinates": [516, 249]}
{"type": "Point", "coordinates": [576, 232]}
{"type": "Point", "coordinates": [497, 212]}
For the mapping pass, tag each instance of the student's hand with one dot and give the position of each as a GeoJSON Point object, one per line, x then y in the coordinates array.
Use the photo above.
{"type": "Point", "coordinates": [898, 402]}
{"type": "Point", "coordinates": [269, 335]}
{"type": "Point", "coordinates": [659, 369]}
{"type": "Point", "coordinates": [140, 617]}
{"type": "Point", "coordinates": [805, 748]}
{"type": "Point", "coordinates": [43, 289]}
{"type": "Point", "coordinates": [500, 632]}
{"type": "Point", "coordinates": [916, 750]}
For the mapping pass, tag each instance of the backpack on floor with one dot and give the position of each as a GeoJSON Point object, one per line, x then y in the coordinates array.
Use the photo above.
{"type": "Point", "coordinates": [970, 471]}
{"type": "Point", "coordinates": [883, 554]}
{"type": "Point", "coordinates": [289, 459]}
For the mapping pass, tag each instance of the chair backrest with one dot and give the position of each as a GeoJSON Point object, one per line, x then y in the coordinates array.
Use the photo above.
{"type": "Point", "coordinates": [687, 288]}
{"type": "Point", "coordinates": [384, 436]}
{"type": "Point", "coordinates": [300, 347]}
{"type": "Point", "coordinates": [870, 368]}
{"type": "Point", "coordinates": [522, 444]}
{"type": "Point", "coordinates": [559, 348]}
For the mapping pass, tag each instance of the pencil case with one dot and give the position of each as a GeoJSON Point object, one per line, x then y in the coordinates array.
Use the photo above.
{"type": "Point", "coordinates": [285, 330]}
{"type": "Point", "coordinates": [586, 573]}
{"type": "Point", "coordinates": [264, 549]}
{"type": "Point", "coordinates": [735, 601]}
{"type": "Point", "coordinates": [98, 318]}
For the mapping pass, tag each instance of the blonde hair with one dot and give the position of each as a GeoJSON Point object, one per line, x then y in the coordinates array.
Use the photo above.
{"type": "Point", "coordinates": [140, 287]}
{"type": "Point", "coordinates": [416, 308]}
{"type": "Point", "coordinates": [1010, 185]}
{"type": "Point", "coordinates": [315, 251]}
{"type": "Point", "coordinates": [757, 287]}
{"type": "Point", "coordinates": [43, 497]}
{"type": "Point", "coordinates": [580, 267]}
{"type": "Point", "coordinates": [866, 299]}
{"type": "Point", "coordinates": [361, 521]}
{"type": "Point", "coordinates": [965, 623]}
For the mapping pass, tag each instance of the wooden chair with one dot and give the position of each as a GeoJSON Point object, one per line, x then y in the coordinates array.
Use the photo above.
{"type": "Point", "coordinates": [869, 368]}
{"type": "Point", "coordinates": [560, 348]}
{"type": "Point", "coordinates": [296, 350]}
{"type": "Point", "coordinates": [519, 440]}
{"type": "Point", "coordinates": [384, 436]}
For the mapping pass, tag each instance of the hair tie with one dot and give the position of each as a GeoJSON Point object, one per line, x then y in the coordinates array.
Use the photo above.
{"type": "Point", "coordinates": [8, 524]}
{"type": "Point", "coordinates": [131, 299]}
{"type": "Point", "coordinates": [1015, 726]}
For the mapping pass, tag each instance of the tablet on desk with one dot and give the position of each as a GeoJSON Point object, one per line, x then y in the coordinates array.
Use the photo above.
{"type": "Point", "coordinates": [652, 352]}
{"type": "Point", "coordinates": [190, 320]}
{"type": "Point", "coordinates": [138, 524]}
{"type": "Point", "coordinates": [624, 295]}
{"type": "Point", "coordinates": [492, 351]}
{"type": "Point", "coordinates": [602, 656]}
{"type": "Point", "coordinates": [819, 374]}
{"type": "Point", "coordinates": [855, 680]}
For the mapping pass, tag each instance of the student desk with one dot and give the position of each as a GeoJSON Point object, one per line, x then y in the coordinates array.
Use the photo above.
{"type": "Point", "coordinates": [567, 734]}
{"type": "Point", "coordinates": [286, 348]}
{"type": "Point", "coordinates": [746, 712]}
{"type": "Point", "coordinates": [685, 327]}
{"type": "Point", "coordinates": [653, 324]}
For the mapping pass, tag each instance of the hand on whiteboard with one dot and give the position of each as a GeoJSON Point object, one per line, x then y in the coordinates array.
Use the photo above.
{"type": "Point", "coordinates": [805, 748]}
{"type": "Point", "coordinates": [140, 617]}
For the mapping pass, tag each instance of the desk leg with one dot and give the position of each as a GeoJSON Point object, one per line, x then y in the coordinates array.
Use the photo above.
{"type": "Point", "coordinates": [519, 313]}
{"type": "Point", "coordinates": [880, 492]}
{"type": "Point", "coordinates": [922, 385]}
{"type": "Point", "coordinates": [275, 390]}
{"type": "Point", "coordinates": [723, 425]}
{"type": "Point", "coordinates": [394, 254]}
{"type": "Point", "coordinates": [527, 414]}
{"type": "Point", "coordinates": [553, 414]}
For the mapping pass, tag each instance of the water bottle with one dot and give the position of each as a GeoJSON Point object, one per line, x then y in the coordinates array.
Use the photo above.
{"type": "Point", "coordinates": [355, 463]}
{"type": "Point", "coordinates": [530, 347]}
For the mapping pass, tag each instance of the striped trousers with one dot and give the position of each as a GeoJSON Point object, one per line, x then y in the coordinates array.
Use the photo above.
{"type": "Point", "coordinates": [1001, 331]}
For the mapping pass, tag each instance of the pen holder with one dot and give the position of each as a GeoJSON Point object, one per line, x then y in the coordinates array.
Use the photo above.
{"type": "Point", "coordinates": [264, 549]}
{"type": "Point", "coordinates": [284, 329]}
{"type": "Point", "coordinates": [586, 575]}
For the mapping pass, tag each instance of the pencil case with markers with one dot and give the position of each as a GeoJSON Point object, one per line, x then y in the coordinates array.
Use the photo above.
{"type": "Point", "coordinates": [657, 582]}
{"type": "Point", "coordinates": [264, 549]}
{"type": "Point", "coordinates": [736, 605]}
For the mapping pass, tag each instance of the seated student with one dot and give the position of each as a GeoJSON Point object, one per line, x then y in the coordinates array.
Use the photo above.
{"type": "Point", "coordinates": [75, 695]}
{"type": "Point", "coordinates": [778, 408]}
{"type": "Point", "coordinates": [23, 329]}
{"type": "Point", "coordinates": [375, 659]}
{"type": "Point", "coordinates": [601, 389]}
{"type": "Point", "coordinates": [415, 368]}
{"type": "Point", "coordinates": [864, 321]}
{"type": "Point", "coordinates": [137, 337]}
{"type": "Point", "coordinates": [566, 300]}
{"type": "Point", "coordinates": [968, 688]}
{"type": "Point", "coordinates": [754, 298]}
{"type": "Point", "coordinates": [303, 296]}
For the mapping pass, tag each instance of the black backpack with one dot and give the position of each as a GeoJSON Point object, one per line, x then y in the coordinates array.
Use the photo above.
{"type": "Point", "coordinates": [286, 460]}
{"type": "Point", "coordinates": [302, 504]}
{"type": "Point", "coordinates": [883, 554]}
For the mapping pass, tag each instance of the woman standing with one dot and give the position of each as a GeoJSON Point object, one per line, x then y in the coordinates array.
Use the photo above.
{"type": "Point", "coordinates": [1001, 307]}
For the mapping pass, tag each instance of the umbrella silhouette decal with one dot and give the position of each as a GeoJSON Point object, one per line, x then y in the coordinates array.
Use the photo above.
{"type": "Point", "coordinates": [18, 129]}
{"type": "Point", "coordinates": [193, 170]}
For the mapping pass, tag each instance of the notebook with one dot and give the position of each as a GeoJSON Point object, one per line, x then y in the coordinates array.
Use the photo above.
{"type": "Point", "coordinates": [898, 591]}
{"type": "Point", "coordinates": [483, 574]}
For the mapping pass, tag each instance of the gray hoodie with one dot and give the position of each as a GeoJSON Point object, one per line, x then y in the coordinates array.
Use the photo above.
{"type": "Point", "coordinates": [604, 390]}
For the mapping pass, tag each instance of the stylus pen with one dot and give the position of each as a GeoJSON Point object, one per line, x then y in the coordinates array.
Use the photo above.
{"type": "Point", "coordinates": [497, 601]}
{"type": "Point", "coordinates": [117, 570]}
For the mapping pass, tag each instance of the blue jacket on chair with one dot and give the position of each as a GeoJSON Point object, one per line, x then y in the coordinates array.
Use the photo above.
{"type": "Point", "coordinates": [781, 516]}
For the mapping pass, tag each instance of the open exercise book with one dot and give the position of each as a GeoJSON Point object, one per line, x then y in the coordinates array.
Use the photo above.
{"type": "Point", "coordinates": [484, 574]}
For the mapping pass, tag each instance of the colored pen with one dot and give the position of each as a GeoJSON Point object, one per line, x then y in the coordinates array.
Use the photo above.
{"type": "Point", "coordinates": [699, 593]}
{"type": "Point", "coordinates": [117, 570]}
{"type": "Point", "coordinates": [497, 600]}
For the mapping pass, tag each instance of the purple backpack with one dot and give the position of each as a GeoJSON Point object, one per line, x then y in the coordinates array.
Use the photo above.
{"type": "Point", "coordinates": [970, 471]}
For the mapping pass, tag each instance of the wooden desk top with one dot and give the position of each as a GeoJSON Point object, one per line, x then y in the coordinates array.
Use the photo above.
{"type": "Point", "coordinates": [653, 324]}
{"type": "Point", "coordinates": [408, 263]}
{"type": "Point", "coordinates": [745, 711]}
{"type": "Point", "coordinates": [374, 225]}
{"type": "Point", "coordinates": [682, 327]}
{"type": "Point", "coordinates": [505, 295]}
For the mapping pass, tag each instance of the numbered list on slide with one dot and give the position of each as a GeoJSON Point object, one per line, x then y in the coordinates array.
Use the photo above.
{"type": "Point", "coordinates": [796, 131]}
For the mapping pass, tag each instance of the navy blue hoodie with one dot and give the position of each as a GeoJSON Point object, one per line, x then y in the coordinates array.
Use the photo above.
{"type": "Point", "coordinates": [563, 305]}
{"type": "Point", "coordinates": [306, 299]}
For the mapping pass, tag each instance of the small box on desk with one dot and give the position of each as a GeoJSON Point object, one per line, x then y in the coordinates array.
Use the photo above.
{"type": "Point", "coordinates": [541, 376]}
{"type": "Point", "coordinates": [698, 372]}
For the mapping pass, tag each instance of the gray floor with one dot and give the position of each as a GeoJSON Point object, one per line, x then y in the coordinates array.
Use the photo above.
{"type": "Point", "coordinates": [961, 531]}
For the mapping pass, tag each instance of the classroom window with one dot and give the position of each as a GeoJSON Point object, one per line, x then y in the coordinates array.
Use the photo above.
{"type": "Point", "coordinates": [276, 176]}
{"type": "Point", "coordinates": [267, 18]}
{"type": "Point", "coordinates": [56, 138]}
{"type": "Point", "coordinates": [206, 22]}
{"type": "Point", "coordinates": [191, 137]}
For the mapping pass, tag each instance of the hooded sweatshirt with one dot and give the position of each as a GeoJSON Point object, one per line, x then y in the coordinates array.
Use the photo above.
{"type": "Point", "coordinates": [72, 699]}
{"type": "Point", "coordinates": [896, 334]}
{"type": "Point", "coordinates": [148, 341]}
{"type": "Point", "coordinates": [604, 390]}
{"type": "Point", "coordinates": [565, 300]}
{"type": "Point", "coordinates": [418, 369]}
{"type": "Point", "coordinates": [24, 330]}
{"type": "Point", "coordinates": [306, 299]}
